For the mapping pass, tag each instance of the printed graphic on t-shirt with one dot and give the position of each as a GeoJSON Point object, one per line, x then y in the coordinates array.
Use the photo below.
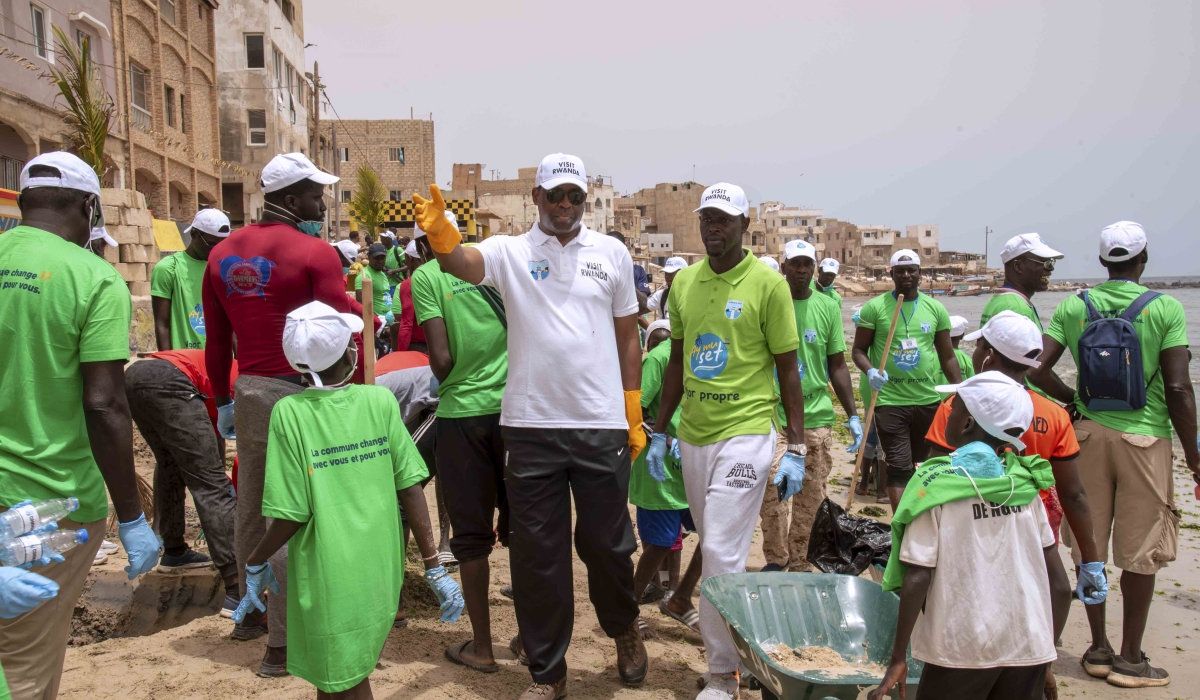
{"type": "Point", "coordinates": [733, 309]}
{"type": "Point", "coordinates": [983, 511]}
{"type": "Point", "coordinates": [925, 326]}
{"type": "Point", "coordinates": [741, 476]}
{"type": "Point", "coordinates": [245, 277]}
{"type": "Point", "coordinates": [907, 359]}
{"type": "Point", "coordinates": [708, 357]}
{"type": "Point", "coordinates": [196, 319]}
{"type": "Point", "coordinates": [810, 335]}
{"type": "Point", "coordinates": [593, 269]}
{"type": "Point", "coordinates": [540, 269]}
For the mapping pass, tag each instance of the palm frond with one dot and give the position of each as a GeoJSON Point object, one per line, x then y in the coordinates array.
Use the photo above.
{"type": "Point", "coordinates": [368, 200]}
{"type": "Point", "coordinates": [89, 107]}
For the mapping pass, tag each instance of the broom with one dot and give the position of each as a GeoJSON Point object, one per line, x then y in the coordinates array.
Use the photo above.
{"type": "Point", "coordinates": [887, 348]}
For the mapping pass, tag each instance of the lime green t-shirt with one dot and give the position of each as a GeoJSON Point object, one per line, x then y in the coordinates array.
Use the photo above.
{"type": "Point", "coordinates": [379, 289]}
{"type": "Point", "coordinates": [831, 292]}
{"type": "Point", "coordinates": [1161, 325]}
{"type": "Point", "coordinates": [1006, 301]}
{"type": "Point", "coordinates": [335, 460]}
{"type": "Point", "coordinates": [913, 371]}
{"type": "Point", "coordinates": [4, 694]}
{"type": "Point", "coordinates": [60, 305]}
{"type": "Point", "coordinates": [478, 341]}
{"type": "Point", "coordinates": [964, 365]}
{"type": "Point", "coordinates": [644, 491]}
{"type": "Point", "coordinates": [178, 277]}
{"type": "Point", "coordinates": [819, 325]}
{"type": "Point", "coordinates": [731, 326]}
{"type": "Point", "coordinates": [395, 261]}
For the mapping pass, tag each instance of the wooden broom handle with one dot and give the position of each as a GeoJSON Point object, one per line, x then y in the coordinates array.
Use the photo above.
{"type": "Point", "coordinates": [871, 409]}
{"type": "Point", "coordinates": [368, 312]}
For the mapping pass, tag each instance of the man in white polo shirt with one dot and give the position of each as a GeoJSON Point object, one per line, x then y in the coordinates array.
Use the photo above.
{"type": "Point", "coordinates": [571, 415]}
{"type": "Point", "coordinates": [658, 300]}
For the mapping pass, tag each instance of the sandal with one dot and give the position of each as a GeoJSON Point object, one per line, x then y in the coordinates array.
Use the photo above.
{"type": "Point", "coordinates": [454, 654]}
{"type": "Point", "coordinates": [689, 618]}
{"type": "Point", "coordinates": [518, 650]}
{"type": "Point", "coordinates": [644, 628]}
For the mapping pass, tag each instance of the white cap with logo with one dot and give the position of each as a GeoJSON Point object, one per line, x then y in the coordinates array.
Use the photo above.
{"type": "Point", "coordinates": [1028, 243]}
{"type": "Point", "coordinates": [799, 249]}
{"type": "Point", "coordinates": [315, 336]}
{"type": "Point", "coordinates": [730, 199]}
{"type": "Point", "coordinates": [73, 173]}
{"type": "Point", "coordinates": [210, 221]}
{"type": "Point", "coordinates": [674, 265]}
{"type": "Point", "coordinates": [830, 265]}
{"type": "Point", "coordinates": [1001, 406]}
{"type": "Point", "coordinates": [769, 262]}
{"type": "Point", "coordinates": [958, 326]}
{"type": "Point", "coordinates": [1122, 241]}
{"type": "Point", "coordinates": [348, 247]}
{"type": "Point", "coordinates": [561, 169]}
{"type": "Point", "coordinates": [418, 233]}
{"type": "Point", "coordinates": [289, 168]}
{"type": "Point", "coordinates": [1013, 336]}
{"type": "Point", "coordinates": [904, 256]}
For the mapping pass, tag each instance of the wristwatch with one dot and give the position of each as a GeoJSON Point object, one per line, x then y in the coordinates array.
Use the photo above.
{"type": "Point", "coordinates": [800, 449]}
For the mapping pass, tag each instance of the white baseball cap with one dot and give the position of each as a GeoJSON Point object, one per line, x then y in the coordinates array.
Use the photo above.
{"type": "Point", "coordinates": [411, 249]}
{"type": "Point", "coordinates": [904, 256]}
{"type": "Point", "coordinates": [1123, 235]}
{"type": "Point", "coordinates": [770, 262]}
{"type": "Point", "coordinates": [674, 265]}
{"type": "Point", "coordinates": [660, 323]}
{"type": "Point", "coordinates": [830, 265]}
{"type": "Point", "coordinates": [101, 232]}
{"type": "Point", "coordinates": [210, 221]}
{"type": "Point", "coordinates": [419, 233]}
{"type": "Point", "coordinates": [958, 326]}
{"type": "Point", "coordinates": [315, 336]}
{"type": "Point", "coordinates": [798, 248]}
{"type": "Point", "coordinates": [1028, 243]}
{"type": "Point", "coordinates": [348, 247]}
{"type": "Point", "coordinates": [730, 199]}
{"type": "Point", "coordinates": [288, 169]}
{"type": "Point", "coordinates": [1013, 336]}
{"type": "Point", "coordinates": [73, 173]}
{"type": "Point", "coordinates": [561, 169]}
{"type": "Point", "coordinates": [1001, 406]}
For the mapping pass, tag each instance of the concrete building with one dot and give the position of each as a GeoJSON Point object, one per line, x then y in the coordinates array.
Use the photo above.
{"type": "Point", "coordinates": [466, 176]}
{"type": "Point", "coordinates": [265, 97]}
{"type": "Point", "coordinates": [30, 121]}
{"type": "Point", "coordinates": [923, 238]}
{"type": "Point", "coordinates": [784, 223]}
{"type": "Point", "coordinates": [400, 150]}
{"type": "Point", "coordinates": [841, 240]}
{"type": "Point", "coordinates": [669, 207]}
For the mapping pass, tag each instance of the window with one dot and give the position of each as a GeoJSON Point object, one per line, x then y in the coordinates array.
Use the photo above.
{"type": "Point", "coordinates": [255, 57]}
{"type": "Point", "coordinates": [38, 17]}
{"type": "Point", "coordinates": [278, 63]}
{"type": "Point", "coordinates": [588, 207]}
{"type": "Point", "coordinates": [928, 233]}
{"type": "Point", "coordinates": [928, 252]}
{"type": "Point", "coordinates": [396, 155]}
{"type": "Point", "coordinates": [608, 204]}
{"type": "Point", "coordinates": [878, 253]}
{"type": "Point", "coordinates": [804, 222]}
{"type": "Point", "coordinates": [84, 41]}
{"type": "Point", "coordinates": [344, 154]}
{"type": "Point", "coordinates": [200, 10]}
{"type": "Point", "coordinates": [394, 195]}
{"type": "Point", "coordinates": [167, 9]}
{"type": "Point", "coordinates": [346, 196]}
{"type": "Point", "coordinates": [599, 203]}
{"type": "Point", "coordinates": [139, 80]}
{"type": "Point", "coordinates": [288, 11]}
{"type": "Point", "coordinates": [169, 105]}
{"type": "Point", "coordinates": [256, 119]}
{"type": "Point", "coordinates": [279, 140]}
{"type": "Point", "coordinates": [182, 114]}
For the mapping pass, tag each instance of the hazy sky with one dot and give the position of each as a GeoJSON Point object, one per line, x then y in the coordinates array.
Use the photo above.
{"type": "Point", "coordinates": [1056, 117]}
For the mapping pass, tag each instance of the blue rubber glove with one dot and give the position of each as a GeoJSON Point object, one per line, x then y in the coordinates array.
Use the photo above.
{"type": "Point", "coordinates": [856, 432]}
{"type": "Point", "coordinates": [22, 591]}
{"type": "Point", "coordinates": [656, 453]}
{"type": "Point", "coordinates": [1091, 575]}
{"type": "Point", "coordinates": [433, 385]}
{"type": "Point", "coordinates": [258, 579]}
{"type": "Point", "coordinates": [390, 318]}
{"type": "Point", "coordinates": [856, 318]}
{"type": "Point", "coordinates": [141, 544]}
{"type": "Point", "coordinates": [877, 379]}
{"type": "Point", "coordinates": [49, 556]}
{"type": "Point", "coordinates": [791, 467]}
{"type": "Point", "coordinates": [225, 421]}
{"type": "Point", "coordinates": [675, 451]}
{"type": "Point", "coordinates": [447, 591]}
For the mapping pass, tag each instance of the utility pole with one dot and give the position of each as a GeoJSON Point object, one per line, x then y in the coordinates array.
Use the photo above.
{"type": "Point", "coordinates": [314, 113]}
{"type": "Point", "coordinates": [337, 186]}
{"type": "Point", "coordinates": [986, 232]}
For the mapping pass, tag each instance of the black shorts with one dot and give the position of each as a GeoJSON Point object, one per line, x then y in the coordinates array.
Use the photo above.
{"type": "Point", "coordinates": [902, 432]}
{"type": "Point", "coordinates": [423, 430]}
{"type": "Point", "coordinates": [471, 454]}
{"type": "Point", "coordinates": [1002, 683]}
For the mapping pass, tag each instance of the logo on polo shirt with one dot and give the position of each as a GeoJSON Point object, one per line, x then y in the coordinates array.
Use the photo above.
{"type": "Point", "coordinates": [733, 309]}
{"type": "Point", "coordinates": [593, 269]}
{"type": "Point", "coordinates": [810, 335]}
{"type": "Point", "coordinates": [540, 269]}
{"type": "Point", "coordinates": [708, 356]}
{"type": "Point", "coordinates": [196, 319]}
{"type": "Point", "coordinates": [245, 277]}
{"type": "Point", "coordinates": [925, 327]}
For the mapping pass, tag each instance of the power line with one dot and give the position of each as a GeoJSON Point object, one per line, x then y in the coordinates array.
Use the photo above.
{"type": "Point", "coordinates": [338, 117]}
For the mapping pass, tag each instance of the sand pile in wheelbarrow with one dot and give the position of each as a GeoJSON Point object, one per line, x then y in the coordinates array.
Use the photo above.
{"type": "Point", "coordinates": [821, 660]}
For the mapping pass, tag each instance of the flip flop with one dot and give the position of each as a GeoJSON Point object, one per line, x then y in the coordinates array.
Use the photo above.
{"type": "Point", "coordinates": [454, 654]}
{"type": "Point", "coordinates": [644, 628]}
{"type": "Point", "coordinates": [689, 619]}
{"type": "Point", "coordinates": [515, 647]}
{"type": "Point", "coordinates": [400, 624]}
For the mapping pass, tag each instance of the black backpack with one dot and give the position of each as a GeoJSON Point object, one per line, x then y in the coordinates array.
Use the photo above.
{"type": "Point", "coordinates": [1111, 376]}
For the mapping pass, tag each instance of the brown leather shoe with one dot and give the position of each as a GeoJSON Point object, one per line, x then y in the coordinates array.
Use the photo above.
{"type": "Point", "coordinates": [545, 691]}
{"type": "Point", "coordinates": [632, 661]}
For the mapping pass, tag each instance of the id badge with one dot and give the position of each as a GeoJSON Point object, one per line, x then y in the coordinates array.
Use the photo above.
{"type": "Point", "coordinates": [908, 344]}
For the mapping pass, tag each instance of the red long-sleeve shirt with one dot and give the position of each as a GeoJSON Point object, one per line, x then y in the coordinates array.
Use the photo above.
{"type": "Point", "coordinates": [409, 332]}
{"type": "Point", "coordinates": [194, 367]}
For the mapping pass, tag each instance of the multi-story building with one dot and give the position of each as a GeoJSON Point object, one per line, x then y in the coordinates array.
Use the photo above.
{"type": "Point", "coordinates": [265, 97]}
{"type": "Point", "coordinates": [784, 224]}
{"type": "Point", "coordinates": [669, 207]}
{"type": "Point", "coordinates": [923, 238]}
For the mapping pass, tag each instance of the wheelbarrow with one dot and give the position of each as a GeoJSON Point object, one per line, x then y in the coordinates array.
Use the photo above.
{"type": "Point", "coordinates": [851, 615]}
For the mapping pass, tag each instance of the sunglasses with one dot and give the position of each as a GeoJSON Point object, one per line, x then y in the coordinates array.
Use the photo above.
{"type": "Point", "coordinates": [575, 197]}
{"type": "Point", "coordinates": [1047, 264]}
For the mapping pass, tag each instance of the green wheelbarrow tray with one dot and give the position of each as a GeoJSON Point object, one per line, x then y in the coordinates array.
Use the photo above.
{"type": "Point", "coordinates": [851, 615]}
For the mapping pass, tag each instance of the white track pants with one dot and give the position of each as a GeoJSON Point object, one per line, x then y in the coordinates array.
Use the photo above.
{"type": "Point", "coordinates": [725, 482]}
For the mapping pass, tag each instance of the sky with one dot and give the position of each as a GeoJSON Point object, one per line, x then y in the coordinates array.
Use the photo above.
{"type": "Point", "coordinates": [1057, 117]}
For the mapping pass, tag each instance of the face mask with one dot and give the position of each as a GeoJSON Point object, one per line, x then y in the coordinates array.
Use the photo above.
{"type": "Point", "coordinates": [308, 228]}
{"type": "Point", "coordinates": [345, 270]}
{"type": "Point", "coordinates": [979, 460]}
{"type": "Point", "coordinates": [344, 380]}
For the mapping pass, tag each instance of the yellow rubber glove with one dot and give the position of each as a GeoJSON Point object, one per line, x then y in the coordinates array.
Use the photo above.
{"type": "Point", "coordinates": [431, 217]}
{"type": "Point", "coordinates": [633, 416]}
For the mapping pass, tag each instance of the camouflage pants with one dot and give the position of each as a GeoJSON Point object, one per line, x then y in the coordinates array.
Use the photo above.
{"type": "Point", "coordinates": [788, 546]}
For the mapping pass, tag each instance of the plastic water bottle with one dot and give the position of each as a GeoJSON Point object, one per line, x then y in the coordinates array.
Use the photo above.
{"type": "Point", "coordinates": [22, 519]}
{"type": "Point", "coordinates": [30, 548]}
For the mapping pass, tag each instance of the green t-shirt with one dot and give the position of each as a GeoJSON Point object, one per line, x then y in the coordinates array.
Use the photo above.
{"type": "Point", "coordinates": [1161, 325]}
{"type": "Point", "coordinates": [913, 371]}
{"type": "Point", "coordinates": [1006, 301]}
{"type": "Point", "coordinates": [964, 365]}
{"type": "Point", "coordinates": [395, 261]}
{"type": "Point", "coordinates": [731, 326]}
{"type": "Point", "coordinates": [335, 460]}
{"type": "Point", "coordinates": [4, 694]}
{"type": "Point", "coordinates": [380, 286]}
{"type": "Point", "coordinates": [478, 341]}
{"type": "Point", "coordinates": [60, 305]}
{"type": "Point", "coordinates": [819, 325]}
{"type": "Point", "coordinates": [644, 491]}
{"type": "Point", "coordinates": [831, 292]}
{"type": "Point", "coordinates": [178, 277]}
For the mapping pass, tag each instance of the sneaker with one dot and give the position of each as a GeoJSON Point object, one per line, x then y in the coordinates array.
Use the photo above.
{"type": "Point", "coordinates": [771, 567]}
{"type": "Point", "coordinates": [109, 547]}
{"type": "Point", "coordinates": [229, 606]}
{"type": "Point", "coordinates": [632, 661]}
{"type": "Point", "coordinates": [190, 559]}
{"type": "Point", "coordinates": [1140, 675]}
{"type": "Point", "coordinates": [720, 686]}
{"type": "Point", "coordinates": [1097, 662]}
{"type": "Point", "coordinates": [101, 557]}
{"type": "Point", "coordinates": [253, 626]}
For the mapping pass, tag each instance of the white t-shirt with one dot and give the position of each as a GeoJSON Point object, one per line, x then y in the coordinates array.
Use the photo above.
{"type": "Point", "coordinates": [654, 303]}
{"type": "Point", "coordinates": [989, 601]}
{"type": "Point", "coordinates": [563, 370]}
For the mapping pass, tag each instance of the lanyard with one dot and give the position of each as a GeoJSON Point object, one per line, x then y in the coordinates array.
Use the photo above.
{"type": "Point", "coordinates": [1010, 290]}
{"type": "Point", "coordinates": [900, 301]}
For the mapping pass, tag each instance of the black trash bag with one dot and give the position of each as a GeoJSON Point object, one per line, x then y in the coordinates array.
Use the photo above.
{"type": "Point", "coordinates": [841, 543]}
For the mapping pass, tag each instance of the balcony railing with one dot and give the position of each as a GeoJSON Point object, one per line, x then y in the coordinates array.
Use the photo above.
{"type": "Point", "coordinates": [10, 172]}
{"type": "Point", "coordinates": [141, 118]}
